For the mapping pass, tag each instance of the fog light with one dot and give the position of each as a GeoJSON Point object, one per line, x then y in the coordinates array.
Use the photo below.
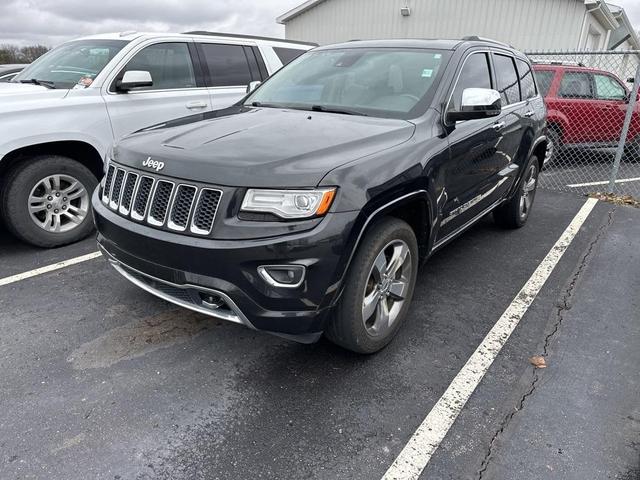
{"type": "Point", "coordinates": [283, 276]}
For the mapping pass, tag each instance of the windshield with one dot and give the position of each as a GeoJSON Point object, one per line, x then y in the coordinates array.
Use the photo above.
{"type": "Point", "coordinates": [72, 63]}
{"type": "Point", "coordinates": [384, 82]}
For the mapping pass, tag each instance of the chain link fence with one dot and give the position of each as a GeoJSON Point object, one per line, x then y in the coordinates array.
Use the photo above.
{"type": "Point", "coordinates": [593, 121]}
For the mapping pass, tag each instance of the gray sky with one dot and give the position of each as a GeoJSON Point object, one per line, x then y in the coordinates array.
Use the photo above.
{"type": "Point", "coordinates": [51, 22]}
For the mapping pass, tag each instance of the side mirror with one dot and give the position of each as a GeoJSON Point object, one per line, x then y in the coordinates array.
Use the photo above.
{"type": "Point", "coordinates": [134, 79]}
{"type": "Point", "coordinates": [252, 86]}
{"type": "Point", "coordinates": [477, 103]}
{"type": "Point", "coordinates": [631, 80]}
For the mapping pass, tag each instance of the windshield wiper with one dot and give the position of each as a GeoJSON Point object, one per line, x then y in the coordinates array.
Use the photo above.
{"type": "Point", "coordinates": [266, 105]}
{"type": "Point", "coordinates": [344, 111]}
{"type": "Point", "coordinates": [43, 83]}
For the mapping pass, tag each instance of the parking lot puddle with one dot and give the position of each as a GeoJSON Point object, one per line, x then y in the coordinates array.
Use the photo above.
{"type": "Point", "coordinates": [138, 338]}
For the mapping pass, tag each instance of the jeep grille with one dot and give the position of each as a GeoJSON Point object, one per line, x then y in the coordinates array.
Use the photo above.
{"type": "Point", "coordinates": [160, 202]}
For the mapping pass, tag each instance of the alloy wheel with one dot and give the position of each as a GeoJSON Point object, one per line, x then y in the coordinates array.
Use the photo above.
{"type": "Point", "coordinates": [386, 288]}
{"type": "Point", "coordinates": [528, 190]}
{"type": "Point", "coordinates": [58, 203]}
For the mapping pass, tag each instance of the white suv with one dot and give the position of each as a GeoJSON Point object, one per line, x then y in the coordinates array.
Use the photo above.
{"type": "Point", "coordinates": [60, 115]}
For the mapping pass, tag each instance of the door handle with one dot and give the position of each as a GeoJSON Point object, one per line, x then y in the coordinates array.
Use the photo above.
{"type": "Point", "coordinates": [530, 113]}
{"type": "Point", "coordinates": [498, 125]}
{"type": "Point", "coordinates": [195, 105]}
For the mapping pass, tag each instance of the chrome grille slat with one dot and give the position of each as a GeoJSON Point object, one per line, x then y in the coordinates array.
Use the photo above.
{"type": "Point", "coordinates": [108, 182]}
{"type": "Point", "coordinates": [181, 207]}
{"type": "Point", "coordinates": [127, 193]}
{"type": "Point", "coordinates": [114, 199]}
{"type": "Point", "coordinates": [143, 194]}
{"type": "Point", "coordinates": [205, 212]}
{"type": "Point", "coordinates": [159, 202]}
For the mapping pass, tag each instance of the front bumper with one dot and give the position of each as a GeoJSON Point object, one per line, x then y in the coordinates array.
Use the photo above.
{"type": "Point", "coordinates": [181, 269]}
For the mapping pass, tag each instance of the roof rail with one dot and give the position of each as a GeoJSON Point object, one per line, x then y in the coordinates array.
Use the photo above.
{"type": "Point", "coordinates": [251, 37]}
{"type": "Point", "coordinates": [569, 63]}
{"type": "Point", "coordinates": [476, 38]}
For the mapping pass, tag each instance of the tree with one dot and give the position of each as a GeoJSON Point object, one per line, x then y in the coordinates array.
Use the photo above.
{"type": "Point", "coordinates": [13, 54]}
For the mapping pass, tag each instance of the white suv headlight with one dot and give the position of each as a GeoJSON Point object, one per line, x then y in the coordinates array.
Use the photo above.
{"type": "Point", "coordinates": [289, 203]}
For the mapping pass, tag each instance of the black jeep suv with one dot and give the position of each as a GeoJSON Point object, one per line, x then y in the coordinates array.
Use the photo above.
{"type": "Point", "coordinates": [307, 207]}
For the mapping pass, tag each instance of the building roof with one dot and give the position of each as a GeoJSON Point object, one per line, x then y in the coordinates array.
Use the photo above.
{"type": "Point", "coordinates": [294, 12]}
{"type": "Point", "coordinates": [625, 30]}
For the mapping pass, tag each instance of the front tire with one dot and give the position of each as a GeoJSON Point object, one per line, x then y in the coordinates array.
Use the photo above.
{"type": "Point", "coordinates": [515, 212]}
{"type": "Point", "coordinates": [378, 289]}
{"type": "Point", "coordinates": [47, 201]}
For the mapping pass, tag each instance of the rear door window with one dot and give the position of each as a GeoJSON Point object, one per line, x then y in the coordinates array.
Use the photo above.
{"type": "Point", "coordinates": [544, 79]}
{"type": "Point", "coordinates": [474, 74]}
{"type": "Point", "coordinates": [576, 85]}
{"type": "Point", "coordinates": [287, 55]}
{"type": "Point", "coordinates": [527, 84]}
{"type": "Point", "coordinates": [507, 79]}
{"type": "Point", "coordinates": [228, 65]}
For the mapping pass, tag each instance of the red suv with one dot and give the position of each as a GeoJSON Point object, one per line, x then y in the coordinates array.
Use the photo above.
{"type": "Point", "coordinates": [586, 108]}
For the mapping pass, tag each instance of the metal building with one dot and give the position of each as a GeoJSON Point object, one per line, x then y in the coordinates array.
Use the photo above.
{"type": "Point", "coordinates": [525, 24]}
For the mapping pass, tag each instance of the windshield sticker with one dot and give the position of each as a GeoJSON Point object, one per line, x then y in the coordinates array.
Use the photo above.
{"type": "Point", "coordinates": [427, 72]}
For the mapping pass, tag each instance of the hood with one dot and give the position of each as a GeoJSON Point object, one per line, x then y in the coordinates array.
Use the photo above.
{"type": "Point", "coordinates": [12, 94]}
{"type": "Point", "coordinates": [262, 147]}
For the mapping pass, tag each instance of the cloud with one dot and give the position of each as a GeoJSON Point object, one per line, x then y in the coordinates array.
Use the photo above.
{"type": "Point", "coordinates": [51, 22]}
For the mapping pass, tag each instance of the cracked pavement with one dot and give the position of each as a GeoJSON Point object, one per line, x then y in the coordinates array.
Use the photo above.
{"type": "Point", "coordinates": [101, 380]}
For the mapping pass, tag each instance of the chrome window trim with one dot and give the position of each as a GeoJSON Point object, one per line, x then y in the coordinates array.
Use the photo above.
{"type": "Point", "coordinates": [150, 219]}
{"type": "Point", "coordinates": [193, 228]}
{"type": "Point", "coordinates": [492, 73]}
{"type": "Point", "coordinates": [170, 224]}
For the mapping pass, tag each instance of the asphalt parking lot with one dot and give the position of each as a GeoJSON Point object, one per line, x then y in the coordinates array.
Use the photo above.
{"type": "Point", "coordinates": [101, 380]}
{"type": "Point", "coordinates": [585, 173]}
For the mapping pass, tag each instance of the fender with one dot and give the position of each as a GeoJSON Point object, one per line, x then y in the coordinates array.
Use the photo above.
{"type": "Point", "coordinates": [378, 213]}
{"type": "Point", "coordinates": [100, 146]}
{"type": "Point", "coordinates": [557, 117]}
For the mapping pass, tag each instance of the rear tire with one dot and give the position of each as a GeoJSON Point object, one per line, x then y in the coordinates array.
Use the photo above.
{"type": "Point", "coordinates": [378, 289]}
{"type": "Point", "coordinates": [554, 148]}
{"type": "Point", "coordinates": [515, 212]}
{"type": "Point", "coordinates": [47, 201]}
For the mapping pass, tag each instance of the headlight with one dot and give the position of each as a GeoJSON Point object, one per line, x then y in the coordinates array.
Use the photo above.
{"type": "Point", "coordinates": [289, 203]}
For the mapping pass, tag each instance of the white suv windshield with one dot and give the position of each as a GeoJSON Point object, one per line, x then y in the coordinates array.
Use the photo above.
{"type": "Point", "coordinates": [71, 63]}
{"type": "Point", "coordinates": [385, 82]}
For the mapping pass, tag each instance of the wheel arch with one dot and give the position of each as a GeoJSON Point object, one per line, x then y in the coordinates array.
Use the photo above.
{"type": "Point", "coordinates": [80, 151]}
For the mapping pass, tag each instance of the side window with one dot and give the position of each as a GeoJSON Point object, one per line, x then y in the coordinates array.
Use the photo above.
{"type": "Point", "coordinates": [287, 55]}
{"type": "Point", "coordinates": [507, 79]}
{"type": "Point", "coordinates": [169, 64]}
{"type": "Point", "coordinates": [527, 84]}
{"type": "Point", "coordinates": [576, 85]}
{"type": "Point", "coordinates": [474, 74]}
{"type": "Point", "coordinates": [544, 79]}
{"type": "Point", "coordinates": [228, 65]}
{"type": "Point", "coordinates": [608, 88]}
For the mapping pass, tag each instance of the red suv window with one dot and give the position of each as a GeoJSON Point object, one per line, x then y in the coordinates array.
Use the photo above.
{"type": "Point", "coordinates": [576, 85]}
{"type": "Point", "coordinates": [544, 79]}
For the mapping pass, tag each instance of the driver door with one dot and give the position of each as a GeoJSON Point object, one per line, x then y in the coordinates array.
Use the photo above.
{"type": "Point", "coordinates": [177, 89]}
{"type": "Point", "coordinates": [474, 151]}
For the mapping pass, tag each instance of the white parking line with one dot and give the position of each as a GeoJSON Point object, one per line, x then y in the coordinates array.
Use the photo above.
{"type": "Point", "coordinates": [416, 454]}
{"type": "Point", "coordinates": [606, 182]}
{"type": "Point", "coordinates": [48, 268]}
